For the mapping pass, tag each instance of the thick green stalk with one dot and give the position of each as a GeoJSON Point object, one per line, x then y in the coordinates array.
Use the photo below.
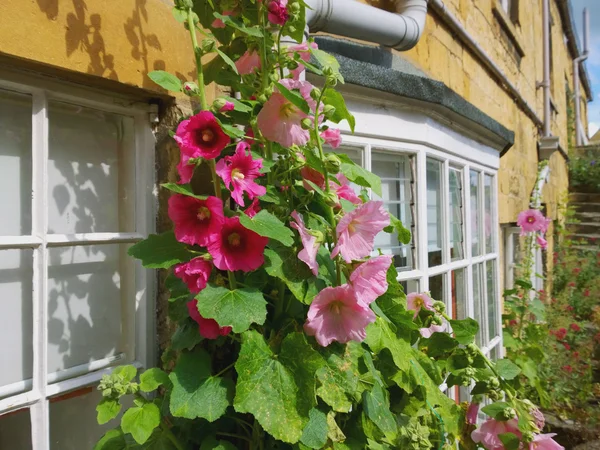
{"type": "Point", "coordinates": [198, 55]}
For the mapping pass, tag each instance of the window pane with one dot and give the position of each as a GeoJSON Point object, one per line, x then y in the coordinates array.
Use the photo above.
{"type": "Point", "coordinates": [89, 289]}
{"type": "Point", "coordinates": [410, 286]}
{"type": "Point", "coordinates": [488, 225]}
{"type": "Point", "coordinates": [478, 299]}
{"type": "Point", "coordinates": [459, 294]}
{"type": "Point", "coordinates": [437, 287]}
{"type": "Point", "coordinates": [456, 215]}
{"type": "Point", "coordinates": [496, 353]}
{"type": "Point", "coordinates": [15, 430]}
{"type": "Point", "coordinates": [396, 186]}
{"type": "Point", "coordinates": [475, 213]}
{"type": "Point", "coordinates": [434, 212]}
{"type": "Point", "coordinates": [15, 163]}
{"type": "Point", "coordinates": [492, 301]}
{"type": "Point", "coordinates": [16, 325]}
{"type": "Point", "coordinates": [91, 171]}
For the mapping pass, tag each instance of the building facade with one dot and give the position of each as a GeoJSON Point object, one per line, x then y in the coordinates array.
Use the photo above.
{"type": "Point", "coordinates": [84, 145]}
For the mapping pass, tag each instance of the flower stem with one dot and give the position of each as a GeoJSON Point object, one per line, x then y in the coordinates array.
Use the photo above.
{"type": "Point", "coordinates": [232, 281]}
{"type": "Point", "coordinates": [198, 55]}
{"type": "Point", "coordinates": [224, 370]}
{"type": "Point", "coordinates": [233, 435]}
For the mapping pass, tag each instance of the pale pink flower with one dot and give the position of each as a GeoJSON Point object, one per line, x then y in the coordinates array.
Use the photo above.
{"type": "Point", "coordinates": [433, 328]}
{"type": "Point", "coordinates": [332, 137]}
{"type": "Point", "coordinates": [196, 221]}
{"type": "Point", "coordinates": [239, 172]}
{"type": "Point", "coordinates": [344, 190]}
{"type": "Point", "coordinates": [185, 169]}
{"type": "Point", "coordinates": [248, 63]}
{"type": "Point", "coordinates": [208, 328]}
{"type": "Point", "coordinates": [487, 433]}
{"type": "Point", "coordinates": [201, 136]}
{"type": "Point", "coordinates": [356, 231]}
{"type": "Point", "coordinates": [540, 420]}
{"type": "Point", "coordinates": [472, 412]}
{"type": "Point", "coordinates": [543, 243]}
{"type": "Point", "coordinates": [281, 121]}
{"type": "Point", "coordinates": [194, 273]}
{"type": "Point", "coordinates": [304, 88]}
{"type": "Point", "coordinates": [278, 13]}
{"type": "Point", "coordinates": [237, 248]}
{"type": "Point", "coordinates": [336, 314]}
{"type": "Point", "coordinates": [545, 442]}
{"type": "Point", "coordinates": [253, 209]}
{"type": "Point", "coordinates": [309, 253]}
{"type": "Point", "coordinates": [415, 302]}
{"type": "Point", "coordinates": [369, 280]}
{"type": "Point", "coordinates": [304, 53]}
{"type": "Point", "coordinates": [228, 106]}
{"type": "Point", "coordinates": [218, 23]}
{"type": "Point", "coordinates": [531, 221]}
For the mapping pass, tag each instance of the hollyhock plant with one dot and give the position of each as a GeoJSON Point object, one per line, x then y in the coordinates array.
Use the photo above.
{"type": "Point", "coordinates": [532, 220]}
{"type": "Point", "coordinates": [201, 136]}
{"type": "Point", "coordinates": [240, 171]}
{"type": "Point", "coordinates": [228, 106]}
{"type": "Point", "coordinates": [356, 231]}
{"type": "Point", "coordinates": [253, 209]}
{"type": "Point", "coordinates": [248, 63]}
{"type": "Point", "coordinates": [196, 221]}
{"type": "Point", "coordinates": [208, 328]}
{"type": "Point", "coordinates": [332, 137]}
{"type": "Point", "coordinates": [237, 248]}
{"type": "Point", "coordinates": [433, 328]}
{"type": "Point", "coordinates": [543, 243]}
{"type": "Point", "coordinates": [278, 13]}
{"type": "Point", "coordinates": [185, 169]}
{"type": "Point", "coordinates": [487, 433]}
{"type": "Point", "coordinates": [194, 273]}
{"type": "Point", "coordinates": [370, 278]}
{"type": "Point", "coordinates": [344, 190]}
{"type": "Point", "coordinates": [303, 50]}
{"type": "Point", "coordinates": [308, 254]}
{"type": "Point", "coordinates": [218, 23]}
{"type": "Point", "coordinates": [415, 302]}
{"type": "Point", "coordinates": [313, 176]}
{"type": "Point", "coordinates": [336, 314]}
{"type": "Point", "coordinates": [281, 121]}
{"type": "Point", "coordinates": [545, 442]}
{"type": "Point", "coordinates": [472, 412]}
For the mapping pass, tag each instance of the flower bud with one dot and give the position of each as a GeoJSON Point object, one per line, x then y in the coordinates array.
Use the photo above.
{"type": "Point", "coordinates": [315, 93]}
{"type": "Point", "coordinates": [294, 7]}
{"type": "Point", "coordinates": [262, 98]}
{"type": "Point", "coordinates": [274, 76]}
{"type": "Point", "coordinates": [470, 372]}
{"type": "Point", "coordinates": [508, 413]}
{"type": "Point", "coordinates": [184, 4]}
{"type": "Point", "coordinates": [292, 65]}
{"type": "Point", "coordinates": [472, 349]}
{"type": "Point", "coordinates": [190, 88]}
{"type": "Point", "coordinates": [208, 45]}
{"type": "Point", "coordinates": [494, 395]}
{"type": "Point", "coordinates": [437, 320]}
{"type": "Point", "coordinates": [316, 233]}
{"type": "Point", "coordinates": [528, 436]}
{"type": "Point", "coordinates": [306, 123]}
{"type": "Point", "coordinates": [440, 307]}
{"type": "Point", "coordinates": [333, 163]}
{"type": "Point", "coordinates": [328, 111]}
{"type": "Point", "coordinates": [107, 392]}
{"type": "Point", "coordinates": [494, 382]}
{"type": "Point", "coordinates": [332, 199]}
{"type": "Point", "coordinates": [465, 381]}
{"type": "Point", "coordinates": [218, 104]}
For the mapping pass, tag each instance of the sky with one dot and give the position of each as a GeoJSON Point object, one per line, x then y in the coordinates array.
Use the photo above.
{"type": "Point", "coordinates": [593, 62]}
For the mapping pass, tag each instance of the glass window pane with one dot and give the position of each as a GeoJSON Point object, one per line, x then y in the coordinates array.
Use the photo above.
{"type": "Point", "coordinates": [492, 300]}
{"type": "Point", "coordinates": [456, 215]}
{"type": "Point", "coordinates": [15, 430]}
{"type": "Point", "coordinates": [488, 225]}
{"type": "Point", "coordinates": [89, 288]}
{"type": "Point", "coordinates": [475, 213]}
{"type": "Point", "coordinates": [15, 163]}
{"type": "Point", "coordinates": [410, 286]}
{"type": "Point", "coordinates": [437, 287]}
{"type": "Point", "coordinates": [459, 294]}
{"type": "Point", "coordinates": [434, 212]}
{"type": "Point", "coordinates": [496, 353]}
{"type": "Point", "coordinates": [478, 299]}
{"type": "Point", "coordinates": [16, 324]}
{"type": "Point", "coordinates": [91, 171]}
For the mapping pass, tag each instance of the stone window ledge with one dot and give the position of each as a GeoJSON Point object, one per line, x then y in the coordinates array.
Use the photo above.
{"type": "Point", "coordinates": [508, 27]}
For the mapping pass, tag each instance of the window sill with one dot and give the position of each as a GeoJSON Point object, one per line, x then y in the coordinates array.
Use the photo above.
{"type": "Point", "coordinates": [508, 27]}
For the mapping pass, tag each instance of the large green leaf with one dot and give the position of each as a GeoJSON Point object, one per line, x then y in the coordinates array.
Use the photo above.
{"type": "Point", "coordinates": [507, 369]}
{"type": "Point", "coordinates": [397, 226]}
{"type": "Point", "coordinates": [112, 440]}
{"type": "Point", "coordinates": [184, 189]}
{"type": "Point", "coordinates": [496, 410]}
{"type": "Point", "coordinates": [140, 421]}
{"type": "Point", "coordinates": [315, 432]}
{"type": "Point", "coordinates": [339, 378]}
{"type": "Point", "coordinates": [464, 330]}
{"type": "Point", "coordinates": [186, 337]}
{"type": "Point", "coordinates": [283, 263]}
{"type": "Point", "coordinates": [267, 225]}
{"type": "Point", "coordinates": [107, 410]}
{"type": "Point", "coordinates": [239, 25]}
{"type": "Point", "coordinates": [358, 175]}
{"type": "Point", "coordinates": [335, 99]}
{"type": "Point", "coordinates": [152, 378]}
{"type": "Point", "coordinates": [237, 309]}
{"type": "Point", "coordinates": [377, 407]}
{"type": "Point", "coordinates": [160, 251]}
{"type": "Point", "coordinates": [196, 393]}
{"type": "Point", "coordinates": [166, 80]}
{"type": "Point", "coordinates": [227, 59]}
{"type": "Point", "coordinates": [211, 443]}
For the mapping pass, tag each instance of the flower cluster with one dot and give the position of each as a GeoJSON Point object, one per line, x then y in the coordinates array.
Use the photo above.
{"type": "Point", "coordinates": [532, 221]}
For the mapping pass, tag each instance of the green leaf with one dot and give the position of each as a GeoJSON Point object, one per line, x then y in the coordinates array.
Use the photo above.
{"type": "Point", "coordinates": [152, 378]}
{"type": "Point", "coordinates": [283, 263]}
{"type": "Point", "coordinates": [315, 432]}
{"type": "Point", "coordinates": [238, 105]}
{"type": "Point", "coordinates": [231, 131]}
{"type": "Point", "coordinates": [160, 251]}
{"type": "Point", "coordinates": [396, 225]}
{"type": "Point", "coordinates": [238, 25]}
{"type": "Point", "coordinates": [325, 59]}
{"type": "Point", "coordinates": [495, 410]}
{"type": "Point", "coordinates": [196, 393]}
{"type": "Point", "coordinates": [184, 189]}
{"type": "Point", "coordinates": [377, 407]}
{"type": "Point", "coordinates": [140, 421]}
{"type": "Point", "coordinates": [112, 440]}
{"type": "Point", "coordinates": [211, 443]}
{"type": "Point", "coordinates": [335, 99]}
{"type": "Point", "coordinates": [507, 369]}
{"type": "Point", "coordinates": [339, 378]}
{"type": "Point", "coordinates": [237, 309]}
{"type": "Point", "coordinates": [179, 14]}
{"type": "Point", "coordinates": [107, 410]}
{"type": "Point", "coordinates": [267, 225]}
{"type": "Point", "coordinates": [166, 80]}
{"type": "Point", "coordinates": [464, 330]}
{"type": "Point", "coordinates": [227, 59]}
{"type": "Point", "coordinates": [127, 372]}
{"type": "Point", "coordinates": [510, 441]}
{"type": "Point", "coordinates": [439, 344]}
{"type": "Point", "coordinates": [359, 175]}
{"type": "Point", "coordinates": [186, 337]}
{"type": "Point", "coordinates": [295, 98]}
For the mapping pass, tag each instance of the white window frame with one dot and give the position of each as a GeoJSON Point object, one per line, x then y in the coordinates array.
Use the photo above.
{"type": "Point", "coordinates": [36, 392]}
{"type": "Point", "coordinates": [510, 261]}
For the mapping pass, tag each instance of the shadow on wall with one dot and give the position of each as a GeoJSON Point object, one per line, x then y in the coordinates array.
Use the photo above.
{"type": "Point", "coordinates": [49, 7]}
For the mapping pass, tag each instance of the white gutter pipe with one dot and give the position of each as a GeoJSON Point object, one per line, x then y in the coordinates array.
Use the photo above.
{"type": "Point", "coordinates": [400, 31]}
{"type": "Point", "coordinates": [576, 62]}
{"type": "Point", "coordinates": [547, 130]}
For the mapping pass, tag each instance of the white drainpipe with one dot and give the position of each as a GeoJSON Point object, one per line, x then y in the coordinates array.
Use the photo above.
{"type": "Point", "coordinates": [576, 62]}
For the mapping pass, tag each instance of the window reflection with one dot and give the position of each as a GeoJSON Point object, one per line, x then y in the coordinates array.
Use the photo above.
{"type": "Point", "coordinates": [434, 212]}
{"type": "Point", "coordinates": [475, 213]}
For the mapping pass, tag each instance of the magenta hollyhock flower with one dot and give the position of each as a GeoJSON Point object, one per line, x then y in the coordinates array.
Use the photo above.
{"type": "Point", "coordinates": [237, 248]}
{"type": "Point", "coordinates": [208, 328]}
{"type": "Point", "coordinates": [281, 121]}
{"type": "Point", "coordinates": [248, 63]}
{"type": "Point", "coordinates": [531, 221]}
{"type": "Point", "coordinates": [433, 328]}
{"type": "Point", "coordinates": [336, 314]}
{"type": "Point", "coordinates": [308, 254]}
{"type": "Point", "coordinates": [487, 433]}
{"type": "Point", "coordinates": [303, 51]}
{"type": "Point", "coordinates": [278, 13]}
{"type": "Point", "coordinates": [196, 221]}
{"type": "Point", "coordinates": [253, 209]}
{"type": "Point", "coordinates": [415, 302]}
{"type": "Point", "coordinates": [472, 412]}
{"type": "Point", "coordinates": [543, 243]}
{"type": "Point", "coordinates": [228, 106]}
{"type": "Point", "coordinates": [356, 231]}
{"type": "Point", "coordinates": [344, 190]}
{"type": "Point", "coordinates": [239, 172]}
{"type": "Point", "coordinates": [369, 280]}
{"type": "Point", "coordinates": [218, 23]}
{"type": "Point", "coordinates": [201, 136]}
{"type": "Point", "coordinates": [194, 273]}
{"type": "Point", "coordinates": [185, 169]}
{"type": "Point", "coordinates": [332, 137]}
{"type": "Point", "coordinates": [545, 442]}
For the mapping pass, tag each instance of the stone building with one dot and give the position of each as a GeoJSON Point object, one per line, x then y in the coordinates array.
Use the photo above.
{"type": "Point", "coordinates": [453, 126]}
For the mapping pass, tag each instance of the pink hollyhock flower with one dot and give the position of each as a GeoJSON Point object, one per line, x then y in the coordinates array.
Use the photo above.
{"type": "Point", "coordinates": [543, 243]}
{"type": "Point", "coordinates": [344, 190]}
{"type": "Point", "coordinates": [472, 412]}
{"type": "Point", "coordinates": [240, 171]}
{"type": "Point", "coordinates": [281, 121]}
{"type": "Point", "coordinates": [185, 169]}
{"type": "Point", "coordinates": [531, 221]}
{"type": "Point", "coordinates": [201, 136]}
{"type": "Point", "coordinates": [539, 418]}
{"type": "Point", "coordinates": [310, 174]}
{"type": "Point", "coordinates": [336, 314]}
{"type": "Point", "coordinates": [416, 301]}
{"type": "Point", "coordinates": [332, 136]}
{"type": "Point", "coordinates": [433, 328]}
{"type": "Point", "coordinates": [303, 51]}
{"type": "Point", "coordinates": [487, 433]}
{"type": "Point", "coordinates": [228, 106]}
{"type": "Point", "coordinates": [218, 23]}
{"type": "Point", "coordinates": [369, 280]}
{"type": "Point", "coordinates": [305, 88]}
{"type": "Point", "coordinates": [253, 209]}
{"type": "Point", "coordinates": [278, 13]}
{"type": "Point", "coordinates": [545, 442]}
{"type": "Point", "coordinates": [237, 248]}
{"type": "Point", "coordinates": [194, 273]}
{"type": "Point", "coordinates": [308, 254]}
{"type": "Point", "coordinates": [208, 328]}
{"type": "Point", "coordinates": [356, 231]}
{"type": "Point", "coordinates": [248, 63]}
{"type": "Point", "coordinates": [196, 221]}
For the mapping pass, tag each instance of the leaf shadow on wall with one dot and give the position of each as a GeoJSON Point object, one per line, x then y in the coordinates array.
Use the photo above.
{"type": "Point", "coordinates": [49, 7]}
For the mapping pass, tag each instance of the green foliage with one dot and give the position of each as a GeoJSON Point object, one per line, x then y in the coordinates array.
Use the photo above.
{"type": "Point", "coordinates": [140, 421]}
{"type": "Point", "coordinates": [584, 171]}
{"type": "Point", "coordinates": [160, 251]}
{"type": "Point", "coordinates": [267, 225]}
{"type": "Point", "coordinates": [166, 81]}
